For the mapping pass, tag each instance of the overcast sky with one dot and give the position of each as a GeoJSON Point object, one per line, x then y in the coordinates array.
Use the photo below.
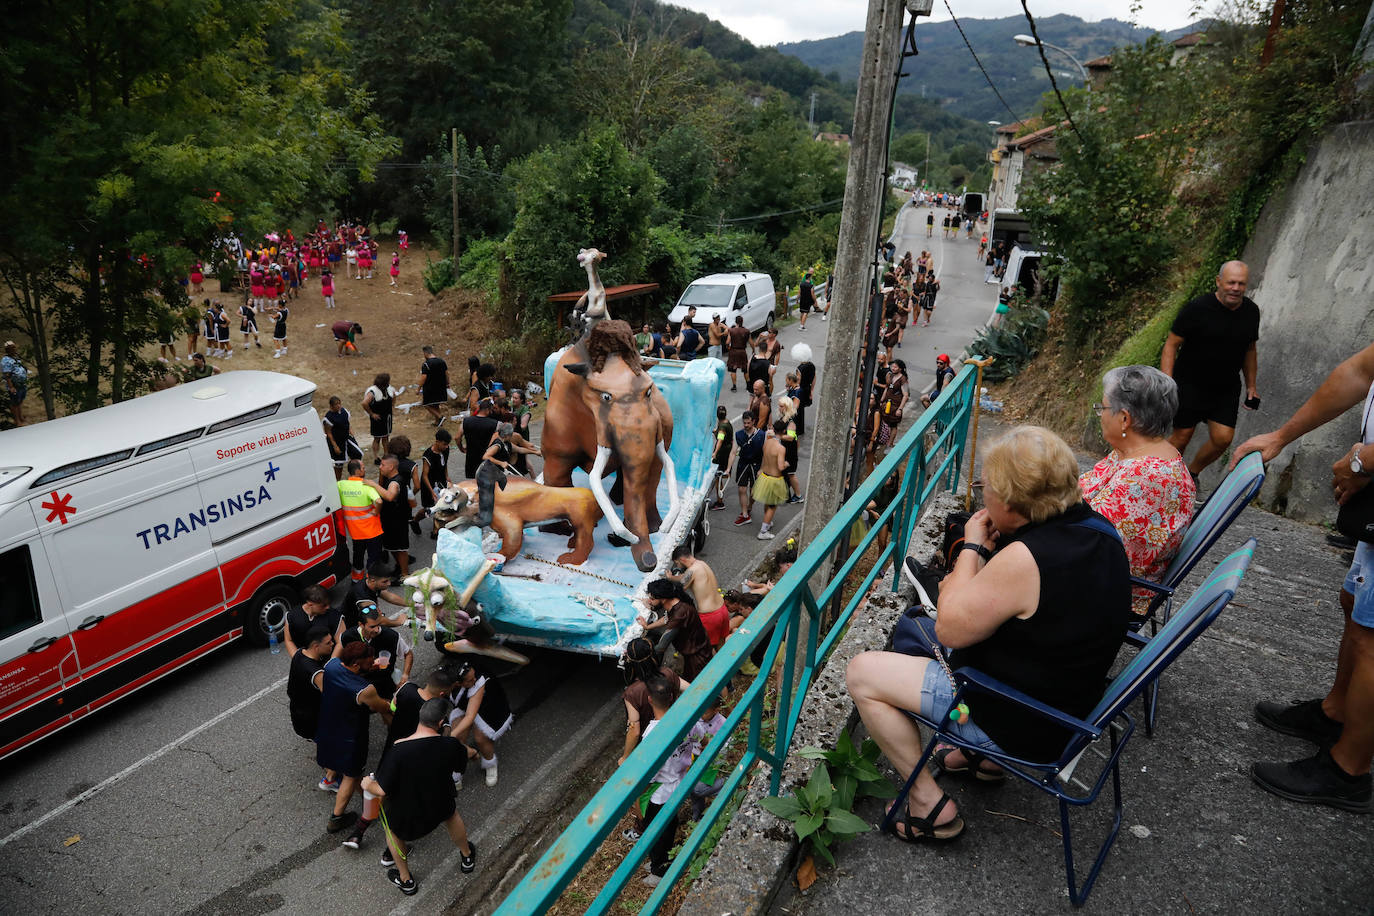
{"type": "Point", "coordinates": [768, 22]}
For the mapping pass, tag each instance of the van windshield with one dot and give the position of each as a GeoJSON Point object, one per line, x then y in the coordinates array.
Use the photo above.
{"type": "Point", "coordinates": [707, 294]}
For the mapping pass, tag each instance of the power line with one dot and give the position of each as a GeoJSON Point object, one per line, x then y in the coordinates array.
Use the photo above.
{"type": "Point", "coordinates": [1014, 116]}
{"type": "Point", "coordinates": [1043, 60]}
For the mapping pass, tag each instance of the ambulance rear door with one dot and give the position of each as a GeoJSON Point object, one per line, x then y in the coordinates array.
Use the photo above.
{"type": "Point", "coordinates": [261, 483]}
{"type": "Point", "coordinates": [37, 657]}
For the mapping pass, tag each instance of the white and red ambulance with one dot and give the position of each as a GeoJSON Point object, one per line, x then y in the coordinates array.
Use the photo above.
{"type": "Point", "coordinates": [140, 536]}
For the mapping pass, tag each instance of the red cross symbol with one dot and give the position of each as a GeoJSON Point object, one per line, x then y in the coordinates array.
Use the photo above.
{"type": "Point", "coordinates": [59, 507]}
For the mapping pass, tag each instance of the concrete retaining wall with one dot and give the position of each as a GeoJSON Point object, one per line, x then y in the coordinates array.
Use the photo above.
{"type": "Point", "coordinates": [1312, 273]}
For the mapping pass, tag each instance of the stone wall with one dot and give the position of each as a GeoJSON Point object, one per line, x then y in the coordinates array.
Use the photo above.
{"type": "Point", "coordinates": [1312, 273]}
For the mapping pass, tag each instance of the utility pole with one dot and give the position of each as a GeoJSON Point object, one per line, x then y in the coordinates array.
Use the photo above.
{"type": "Point", "coordinates": [455, 199]}
{"type": "Point", "coordinates": [859, 224]}
{"type": "Point", "coordinates": [927, 171]}
{"type": "Point", "coordinates": [811, 119]}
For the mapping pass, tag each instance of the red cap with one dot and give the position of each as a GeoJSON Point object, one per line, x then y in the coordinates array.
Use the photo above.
{"type": "Point", "coordinates": [942, 358]}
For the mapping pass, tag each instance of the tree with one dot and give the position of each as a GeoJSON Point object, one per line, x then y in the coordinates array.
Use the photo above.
{"type": "Point", "coordinates": [586, 193]}
{"type": "Point", "coordinates": [145, 136]}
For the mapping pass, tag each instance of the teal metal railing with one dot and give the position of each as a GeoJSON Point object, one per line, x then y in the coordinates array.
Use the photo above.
{"type": "Point", "coordinates": [926, 460]}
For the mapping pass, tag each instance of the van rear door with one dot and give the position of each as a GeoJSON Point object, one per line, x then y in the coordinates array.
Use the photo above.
{"type": "Point", "coordinates": [37, 657]}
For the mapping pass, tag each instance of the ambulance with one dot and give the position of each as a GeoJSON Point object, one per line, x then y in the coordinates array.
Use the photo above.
{"type": "Point", "coordinates": [136, 538]}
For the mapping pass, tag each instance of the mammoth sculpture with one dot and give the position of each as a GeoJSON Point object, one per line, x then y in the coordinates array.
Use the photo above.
{"type": "Point", "coordinates": [606, 414]}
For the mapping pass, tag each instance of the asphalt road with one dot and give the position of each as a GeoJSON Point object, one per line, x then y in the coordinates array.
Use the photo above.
{"type": "Point", "coordinates": [195, 796]}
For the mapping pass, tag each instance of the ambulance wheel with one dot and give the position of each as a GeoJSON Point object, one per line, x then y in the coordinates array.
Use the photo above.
{"type": "Point", "coordinates": [266, 613]}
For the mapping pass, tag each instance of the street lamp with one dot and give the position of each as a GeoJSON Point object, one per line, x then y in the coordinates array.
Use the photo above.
{"type": "Point", "coordinates": [1027, 41]}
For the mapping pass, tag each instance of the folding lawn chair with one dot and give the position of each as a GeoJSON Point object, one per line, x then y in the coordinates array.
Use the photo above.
{"type": "Point", "coordinates": [1222, 508]}
{"type": "Point", "coordinates": [1109, 717]}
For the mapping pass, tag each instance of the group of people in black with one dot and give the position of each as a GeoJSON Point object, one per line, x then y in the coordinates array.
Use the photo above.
{"type": "Point", "coordinates": [349, 662]}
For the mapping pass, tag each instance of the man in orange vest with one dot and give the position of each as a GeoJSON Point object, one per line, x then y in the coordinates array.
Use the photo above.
{"type": "Point", "coordinates": [362, 499]}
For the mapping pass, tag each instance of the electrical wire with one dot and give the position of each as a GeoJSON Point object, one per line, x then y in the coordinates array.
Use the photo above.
{"type": "Point", "coordinates": [1014, 116]}
{"type": "Point", "coordinates": [1045, 61]}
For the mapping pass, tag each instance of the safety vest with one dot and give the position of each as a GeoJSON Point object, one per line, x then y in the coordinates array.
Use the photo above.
{"type": "Point", "coordinates": [357, 498]}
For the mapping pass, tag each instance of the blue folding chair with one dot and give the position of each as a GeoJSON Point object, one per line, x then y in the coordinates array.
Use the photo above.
{"type": "Point", "coordinates": [1109, 717]}
{"type": "Point", "coordinates": [1222, 508]}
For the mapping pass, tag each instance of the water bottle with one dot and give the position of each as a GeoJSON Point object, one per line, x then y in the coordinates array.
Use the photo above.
{"type": "Point", "coordinates": [272, 643]}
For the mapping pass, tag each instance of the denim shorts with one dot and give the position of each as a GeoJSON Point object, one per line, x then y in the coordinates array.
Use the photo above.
{"type": "Point", "coordinates": [1357, 583]}
{"type": "Point", "coordinates": [936, 694]}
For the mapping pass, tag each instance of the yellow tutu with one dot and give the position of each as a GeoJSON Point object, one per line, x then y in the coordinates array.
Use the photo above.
{"type": "Point", "coordinates": [771, 491]}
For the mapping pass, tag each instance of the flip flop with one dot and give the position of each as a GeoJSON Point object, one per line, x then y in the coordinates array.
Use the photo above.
{"type": "Point", "coordinates": [972, 766]}
{"type": "Point", "coordinates": [921, 829]}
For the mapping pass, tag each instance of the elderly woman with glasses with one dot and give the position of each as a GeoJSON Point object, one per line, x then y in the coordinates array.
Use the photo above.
{"type": "Point", "coordinates": [1143, 486]}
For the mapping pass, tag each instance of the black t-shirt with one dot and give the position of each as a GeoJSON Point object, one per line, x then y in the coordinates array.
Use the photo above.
{"type": "Point", "coordinates": [302, 696]}
{"type": "Point", "coordinates": [416, 776]}
{"type": "Point", "coordinates": [437, 463]}
{"type": "Point", "coordinates": [725, 437]}
{"type": "Point", "coordinates": [386, 640]}
{"type": "Point", "coordinates": [1215, 341]}
{"type": "Point", "coordinates": [405, 712]}
{"type": "Point", "coordinates": [477, 435]}
{"type": "Point", "coordinates": [435, 389]}
{"type": "Point", "coordinates": [807, 371]}
{"type": "Point", "coordinates": [690, 340]}
{"type": "Point", "coordinates": [299, 623]}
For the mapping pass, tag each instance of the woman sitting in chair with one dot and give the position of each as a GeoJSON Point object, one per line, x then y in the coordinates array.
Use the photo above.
{"type": "Point", "coordinates": [1038, 599]}
{"type": "Point", "coordinates": [1143, 486]}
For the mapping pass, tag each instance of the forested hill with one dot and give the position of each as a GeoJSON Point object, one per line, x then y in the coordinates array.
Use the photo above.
{"type": "Point", "coordinates": [945, 71]}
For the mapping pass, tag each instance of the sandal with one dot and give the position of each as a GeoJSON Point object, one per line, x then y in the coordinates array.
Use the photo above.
{"type": "Point", "coordinates": [972, 766]}
{"type": "Point", "coordinates": [919, 829]}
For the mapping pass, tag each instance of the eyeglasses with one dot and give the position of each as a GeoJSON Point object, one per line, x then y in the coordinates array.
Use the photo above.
{"type": "Point", "coordinates": [1100, 409]}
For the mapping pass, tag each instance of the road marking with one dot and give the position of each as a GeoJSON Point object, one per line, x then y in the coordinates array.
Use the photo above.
{"type": "Point", "coordinates": [132, 768]}
{"type": "Point", "coordinates": [539, 779]}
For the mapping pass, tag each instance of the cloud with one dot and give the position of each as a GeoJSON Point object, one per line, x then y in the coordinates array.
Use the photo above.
{"type": "Point", "coordinates": [769, 22]}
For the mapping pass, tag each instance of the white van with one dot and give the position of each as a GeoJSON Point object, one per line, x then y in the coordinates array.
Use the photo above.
{"type": "Point", "coordinates": [140, 536]}
{"type": "Point", "coordinates": [729, 295]}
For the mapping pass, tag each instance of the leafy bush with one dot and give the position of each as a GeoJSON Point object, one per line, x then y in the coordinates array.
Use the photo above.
{"type": "Point", "coordinates": [822, 811]}
{"type": "Point", "coordinates": [1014, 342]}
{"type": "Point", "coordinates": [479, 267]}
{"type": "Point", "coordinates": [439, 276]}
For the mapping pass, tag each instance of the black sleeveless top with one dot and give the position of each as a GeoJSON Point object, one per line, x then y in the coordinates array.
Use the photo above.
{"type": "Point", "coordinates": [1061, 654]}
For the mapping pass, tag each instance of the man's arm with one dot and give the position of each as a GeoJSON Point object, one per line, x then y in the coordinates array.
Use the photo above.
{"type": "Point", "coordinates": [1250, 369]}
{"type": "Point", "coordinates": [632, 727]}
{"type": "Point", "coordinates": [291, 647]}
{"type": "Point", "coordinates": [1345, 387]}
{"type": "Point", "coordinates": [410, 660]}
{"type": "Point", "coordinates": [1170, 354]}
{"type": "Point", "coordinates": [370, 698]}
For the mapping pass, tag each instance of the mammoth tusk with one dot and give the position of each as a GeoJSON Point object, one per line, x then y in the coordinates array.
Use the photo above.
{"type": "Point", "coordinates": [604, 501]}
{"type": "Point", "coordinates": [674, 502]}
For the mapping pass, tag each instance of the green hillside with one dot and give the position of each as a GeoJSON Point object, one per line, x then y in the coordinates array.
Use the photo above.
{"type": "Point", "coordinates": [945, 72]}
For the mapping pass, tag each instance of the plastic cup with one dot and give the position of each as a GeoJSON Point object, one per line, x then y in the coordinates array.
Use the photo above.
{"type": "Point", "coordinates": [383, 659]}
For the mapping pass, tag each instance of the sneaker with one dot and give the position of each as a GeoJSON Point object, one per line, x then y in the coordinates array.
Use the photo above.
{"type": "Point", "coordinates": [491, 775]}
{"type": "Point", "coordinates": [825, 317]}
{"type": "Point", "coordinates": [631, 834]}
{"type": "Point", "coordinates": [794, 499]}
{"type": "Point", "coordinates": [409, 888]}
{"type": "Point", "coordinates": [766, 535]}
{"type": "Point", "coordinates": [734, 388]}
{"type": "Point", "coordinates": [468, 862]}
{"type": "Point", "coordinates": [388, 861]}
{"type": "Point", "coordinates": [327, 785]}
{"type": "Point", "coordinates": [742, 520]}
{"type": "Point", "coordinates": [355, 839]}
{"type": "Point", "coordinates": [717, 506]}
{"type": "Point", "coordinates": [338, 822]}
{"type": "Point", "coordinates": [277, 355]}
{"type": "Point", "coordinates": [1317, 780]}
{"type": "Point", "coordinates": [1304, 720]}
{"type": "Point", "coordinates": [749, 669]}
{"type": "Point", "coordinates": [258, 345]}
